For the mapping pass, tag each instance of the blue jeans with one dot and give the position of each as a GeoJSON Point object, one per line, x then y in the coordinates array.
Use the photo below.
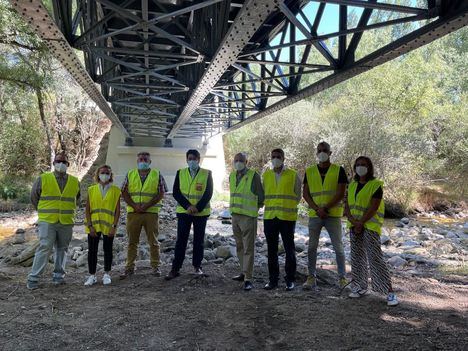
{"type": "Point", "coordinates": [51, 235]}
{"type": "Point", "coordinates": [333, 227]}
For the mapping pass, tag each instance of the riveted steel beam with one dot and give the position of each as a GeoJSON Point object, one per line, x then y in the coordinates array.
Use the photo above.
{"type": "Point", "coordinates": [38, 18]}
{"type": "Point", "coordinates": [248, 20]}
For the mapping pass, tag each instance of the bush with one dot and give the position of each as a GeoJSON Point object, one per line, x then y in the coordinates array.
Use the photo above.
{"type": "Point", "coordinates": [15, 189]}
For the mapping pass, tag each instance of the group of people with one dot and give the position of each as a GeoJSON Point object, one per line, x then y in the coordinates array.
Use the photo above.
{"type": "Point", "coordinates": [325, 188]}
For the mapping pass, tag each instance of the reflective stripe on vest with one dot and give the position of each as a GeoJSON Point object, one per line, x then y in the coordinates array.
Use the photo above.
{"type": "Point", "coordinates": [323, 192]}
{"type": "Point", "coordinates": [102, 209]}
{"type": "Point", "coordinates": [280, 199]}
{"type": "Point", "coordinates": [143, 193]}
{"type": "Point", "coordinates": [55, 206]}
{"type": "Point", "coordinates": [358, 205]}
{"type": "Point", "coordinates": [193, 189]}
{"type": "Point", "coordinates": [242, 200]}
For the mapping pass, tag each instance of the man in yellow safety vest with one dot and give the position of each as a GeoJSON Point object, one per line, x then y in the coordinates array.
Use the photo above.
{"type": "Point", "coordinates": [193, 188]}
{"type": "Point", "coordinates": [324, 189]}
{"type": "Point", "coordinates": [143, 189]}
{"type": "Point", "coordinates": [246, 197]}
{"type": "Point", "coordinates": [55, 196]}
{"type": "Point", "coordinates": [282, 194]}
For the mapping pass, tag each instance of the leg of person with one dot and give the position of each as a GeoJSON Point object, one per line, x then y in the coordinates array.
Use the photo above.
{"type": "Point", "coordinates": [315, 226]}
{"type": "Point", "coordinates": [287, 235]}
{"type": "Point", "coordinates": [380, 275]}
{"type": "Point", "coordinates": [134, 225]}
{"type": "Point", "coordinates": [184, 222]}
{"type": "Point", "coordinates": [249, 230]}
{"type": "Point", "coordinates": [333, 226]}
{"type": "Point", "coordinates": [151, 225]}
{"type": "Point", "coordinates": [237, 231]}
{"type": "Point", "coordinates": [249, 233]}
{"type": "Point", "coordinates": [64, 235]}
{"type": "Point", "coordinates": [107, 243]}
{"type": "Point", "coordinates": [199, 227]}
{"type": "Point", "coordinates": [93, 244]}
{"type": "Point", "coordinates": [358, 264]}
{"type": "Point", "coordinates": [271, 228]}
{"type": "Point", "coordinates": [47, 235]}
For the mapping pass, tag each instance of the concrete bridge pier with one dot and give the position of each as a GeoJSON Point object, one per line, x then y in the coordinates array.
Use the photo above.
{"type": "Point", "coordinates": [121, 156]}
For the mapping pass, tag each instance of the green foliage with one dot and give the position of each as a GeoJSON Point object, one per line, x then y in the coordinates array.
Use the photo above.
{"type": "Point", "coordinates": [14, 189]}
{"type": "Point", "coordinates": [409, 116]}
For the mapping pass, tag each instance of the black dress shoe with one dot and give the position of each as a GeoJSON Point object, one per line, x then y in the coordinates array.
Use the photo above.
{"type": "Point", "coordinates": [270, 286]}
{"type": "Point", "coordinates": [248, 285]}
{"type": "Point", "coordinates": [289, 286]}
{"type": "Point", "coordinates": [239, 278]}
{"type": "Point", "coordinates": [171, 275]}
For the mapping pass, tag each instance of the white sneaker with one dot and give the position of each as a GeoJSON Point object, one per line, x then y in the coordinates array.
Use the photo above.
{"type": "Point", "coordinates": [356, 293]}
{"type": "Point", "coordinates": [106, 279]}
{"type": "Point", "coordinates": [91, 280]}
{"type": "Point", "coordinates": [392, 299]}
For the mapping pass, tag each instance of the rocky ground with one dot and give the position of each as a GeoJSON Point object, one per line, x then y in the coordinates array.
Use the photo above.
{"type": "Point", "coordinates": [427, 256]}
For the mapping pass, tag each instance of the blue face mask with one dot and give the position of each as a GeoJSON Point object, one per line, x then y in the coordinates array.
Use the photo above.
{"type": "Point", "coordinates": [193, 164]}
{"type": "Point", "coordinates": [143, 166]}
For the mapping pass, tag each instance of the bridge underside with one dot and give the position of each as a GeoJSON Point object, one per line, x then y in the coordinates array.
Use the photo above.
{"type": "Point", "coordinates": [170, 69]}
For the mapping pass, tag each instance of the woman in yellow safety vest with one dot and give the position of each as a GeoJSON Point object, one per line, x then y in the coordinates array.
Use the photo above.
{"type": "Point", "coordinates": [102, 218]}
{"type": "Point", "coordinates": [365, 211]}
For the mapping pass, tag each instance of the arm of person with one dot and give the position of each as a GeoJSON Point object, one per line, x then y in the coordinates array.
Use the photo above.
{"type": "Point", "coordinates": [126, 196]}
{"type": "Point", "coordinates": [177, 194]}
{"type": "Point", "coordinates": [297, 188]}
{"type": "Point", "coordinates": [371, 211]}
{"type": "Point", "coordinates": [257, 189]}
{"type": "Point", "coordinates": [307, 197]}
{"type": "Point", "coordinates": [340, 191]}
{"type": "Point", "coordinates": [113, 230]}
{"type": "Point", "coordinates": [36, 192]}
{"type": "Point", "coordinates": [206, 195]}
{"type": "Point", "coordinates": [92, 231]}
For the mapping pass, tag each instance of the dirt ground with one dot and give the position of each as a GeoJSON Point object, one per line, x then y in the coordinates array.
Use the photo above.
{"type": "Point", "coordinates": [213, 313]}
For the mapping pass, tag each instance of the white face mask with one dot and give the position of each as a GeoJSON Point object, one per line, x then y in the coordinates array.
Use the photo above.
{"type": "Point", "coordinates": [239, 166]}
{"type": "Point", "coordinates": [104, 178]}
{"type": "Point", "coordinates": [193, 164]}
{"type": "Point", "coordinates": [322, 156]}
{"type": "Point", "coordinates": [276, 162]}
{"type": "Point", "coordinates": [60, 167]}
{"type": "Point", "coordinates": [361, 171]}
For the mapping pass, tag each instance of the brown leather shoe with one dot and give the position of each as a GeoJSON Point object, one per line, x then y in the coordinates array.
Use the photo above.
{"type": "Point", "coordinates": [127, 273]}
{"type": "Point", "coordinates": [172, 274]}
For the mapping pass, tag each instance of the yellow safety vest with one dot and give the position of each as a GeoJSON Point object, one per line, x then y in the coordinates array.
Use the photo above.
{"type": "Point", "coordinates": [360, 204]}
{"type": "Point", "coordinates": [323, 192]}
{"type": "Point", "coordinates": [143, 193]}
{"type": "Point", "coordinates": [193, 189]}
{"type": "Point", "coordinates": [243, 200]}
{"type": "Point", "coordinates": [55, 206]}
{"type": "Point", "coordinates": [102, 209]}
{"type": "Point", "coordinates": [280, 198]}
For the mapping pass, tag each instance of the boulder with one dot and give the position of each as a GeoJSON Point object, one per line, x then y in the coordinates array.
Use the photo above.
{"type": "Point", "coordinates": [225, 214]}
{"type": "Point", "coordinates": [225, 251]}
{"type": "Point", "coordinates": [405, 220]}
{"type": "Point", "coordinates": [300, 247]}
{"type": "Point", "coordinates": [385, 240]}
{"type": "Point", "coordinates": [397, 261]}
{"type": "Point", "coordinates": [82, 260]}
{"type": "Point", "coordinates": [209, 255]}
{"type": "Point", "coordinates": [410, 243]}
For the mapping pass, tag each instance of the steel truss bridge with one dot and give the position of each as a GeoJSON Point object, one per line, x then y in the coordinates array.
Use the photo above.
{"type": "Point", "coordinates": [191, 68]}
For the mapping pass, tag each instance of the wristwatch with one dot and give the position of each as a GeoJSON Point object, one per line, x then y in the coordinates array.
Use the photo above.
{"type": "Point", "coordinates": [114, 225]}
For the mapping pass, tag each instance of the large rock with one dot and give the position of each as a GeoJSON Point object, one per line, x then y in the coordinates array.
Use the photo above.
{"type": "Point", "coordinates": [410, 243]}
{"type": "Point", "coordinates": [209, 255]}
{"type": "Point", "coordinates": [397, 261]}
{"type": "Point", "coordinates": [385, 240]}
{"type": "Point", "coordinates": [405, 220]}
{"type": "Point", "coordinates": [225, 251]}
{"type": "Point", "coordinates": [300, 247]}
{"type": "Point", "coordinates": [82, 260]}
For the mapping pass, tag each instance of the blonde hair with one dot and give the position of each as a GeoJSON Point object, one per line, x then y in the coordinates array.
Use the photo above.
{"type": "Point", "coordinates": [96, 174]}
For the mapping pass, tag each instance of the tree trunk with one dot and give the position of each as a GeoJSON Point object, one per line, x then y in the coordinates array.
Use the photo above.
{"type": "Point", "coordinates": [40, 103]}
